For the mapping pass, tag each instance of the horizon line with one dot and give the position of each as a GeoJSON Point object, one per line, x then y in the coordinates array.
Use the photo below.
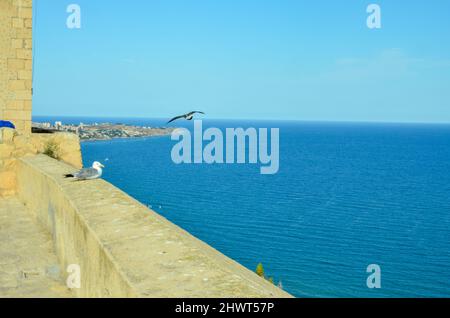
{"type": "Point", "coordinates": [265, 119]}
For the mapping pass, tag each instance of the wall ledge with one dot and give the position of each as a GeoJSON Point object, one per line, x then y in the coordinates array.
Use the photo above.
{"type": "Point", "coordinates": [123, 248]}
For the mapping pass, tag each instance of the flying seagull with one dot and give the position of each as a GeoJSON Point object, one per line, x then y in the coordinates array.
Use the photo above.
{"type": "Point", "coordinates": [188, 116]}
{"type": "Point", "coordinates": [88, 173]}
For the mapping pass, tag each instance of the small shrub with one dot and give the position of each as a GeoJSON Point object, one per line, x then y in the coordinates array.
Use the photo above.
{"type": "Point", "coordinates": [51, 149]}
{"type": "Point", "coordinates": [261, 273]}
{"type": "Point", "coordinates": [260, 270]}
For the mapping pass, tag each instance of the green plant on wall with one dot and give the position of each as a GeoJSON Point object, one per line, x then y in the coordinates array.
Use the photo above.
{"type": "Point", "coordinates": [51, 149]}
{"type": "Point", "coordinates": [261, 273]}
{"type": "Point", "coordinates": [260, 270]}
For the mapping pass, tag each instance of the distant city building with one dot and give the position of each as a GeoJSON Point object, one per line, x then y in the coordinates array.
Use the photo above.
{"type": "Point", "coordinates": [58, 125]}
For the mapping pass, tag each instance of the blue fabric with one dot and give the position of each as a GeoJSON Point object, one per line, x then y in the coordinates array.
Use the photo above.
{"type": "Point", "coordinates": [7, 124]}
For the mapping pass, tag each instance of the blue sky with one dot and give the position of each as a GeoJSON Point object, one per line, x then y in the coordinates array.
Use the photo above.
{"type": "Point", "coordinates": [259, 59]}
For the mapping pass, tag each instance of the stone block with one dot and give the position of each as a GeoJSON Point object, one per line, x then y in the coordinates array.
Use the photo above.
{"type": "Point", "coordinates": [23, 3]}
{"type": "Point", "coordinates": [27, 105]}
{"type": "Point", "coordinates": [24, 33]}
{"type": "Point", "coordinates": [28, 44]}
{"type": "Point", "coordinates": [7, 135]}
{"type": "Point", "coordinates": [17, 115]}
{"type": "Point", "coordinates": [17, 43]}
{"type": "Point", "coordinates": [16, 85]}
{"type": "Point", "coordinates": [7, 180]}
{"type": "Point", "coordinates": [68, 146]}
{"type": "Point", "coordinates": [16, 64]}
{"type": "Point", "coordinates": [22, 94]}
{"type": "Point", "coordinates": [6, 151]}
{"type": "Point", "coordinates": [24, 74]}
{"type": "Point", "coordinates": [15, 105]}
{"type": "Point", "coordinates": [24, 53]}
{"type": "Point", "coordinates": [28, 65]}
{"type": "Point", "coordinates": [8, 164]}
{"type": "Point", "coordinates": [25, 12]}
{"type": "Point", "coordinates": [17, 23]}
{"type": "Point", "coordinates": [28, 23]}
{"type": "Point", "coordinates": [12, 74]}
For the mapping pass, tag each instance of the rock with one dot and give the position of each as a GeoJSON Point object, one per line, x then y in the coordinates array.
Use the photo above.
{"type": "Point", "coordinates": [68, 146]}
{"type": "Point", "coordinates": [7, 180]}
{"type": "Point", "coordinates": [7, 163]}
{"type": "Point", "coordinates": [70, 149]}
{"type": "Point", "coordinates": [23, 146]}
{"type": "Point", "coordinates": [7, 135]}
{"type": "Point", "coordinates": [15, 146]}
{"type": "Point", "coordinates": [6, 151]}
{"type": "Point", "coordinates": [21, 141]}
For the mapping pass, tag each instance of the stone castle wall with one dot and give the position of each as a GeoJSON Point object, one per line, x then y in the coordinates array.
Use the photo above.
{"type": "Point", "coordinates": [64, 146]}
{"type": "Point", "coordinates": [124, 249]}
{"type": "Point", "coordinates": [16, 63]}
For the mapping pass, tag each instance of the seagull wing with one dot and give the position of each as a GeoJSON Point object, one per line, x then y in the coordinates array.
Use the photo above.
{"type": "Point", "coordinates": [87, 173]}
{"type": "Point", "coordinates": [195, 112]}
{"type": "Point", "coordinates": [175, 118]}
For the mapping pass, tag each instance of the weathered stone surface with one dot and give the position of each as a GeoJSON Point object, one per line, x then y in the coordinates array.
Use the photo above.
{"type": "Point", "coordinates": [6, 151]}
{"type": "Point", "coordinates": [68, 145]}
{"type": "Point", "coordinates": [8, 164]}
{"type": "Point", "coordinates": [6, 135]}
{"type": "Point", "coordinates": [7, 183]}
{"type": "Point", "coordinates": [27, 260]}
{"type": "Point", "coordinates": [15, 55]}
{"type": "Point", "coordinates": [19, 145]}
{"type": "Point", "coordinates": [123, 248]}
{"type": "Point", "coordinates": [7, 180]}
{"type": "Point", "coordinates": [23, 146]}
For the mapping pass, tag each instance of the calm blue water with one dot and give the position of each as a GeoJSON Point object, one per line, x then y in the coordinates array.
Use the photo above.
{"type": "Point", "coordinates": [346, 196]}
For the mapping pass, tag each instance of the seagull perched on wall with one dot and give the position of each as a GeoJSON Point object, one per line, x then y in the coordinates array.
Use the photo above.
{"type": "Point", "coordinates": [188, 116]}
{"type": "Point", "coordinates": [88, 173]}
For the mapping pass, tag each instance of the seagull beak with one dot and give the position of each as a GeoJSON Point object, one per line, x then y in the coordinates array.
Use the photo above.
{"type": "Point", "coordinates": [102, 166]}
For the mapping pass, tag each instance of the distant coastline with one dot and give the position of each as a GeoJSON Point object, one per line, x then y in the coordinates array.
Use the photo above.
{"type": "Point", "coordinates": [103, 131]}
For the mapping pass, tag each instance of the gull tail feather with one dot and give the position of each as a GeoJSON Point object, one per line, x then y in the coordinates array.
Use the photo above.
{"type": "Point", "coordinates": [69, 176]}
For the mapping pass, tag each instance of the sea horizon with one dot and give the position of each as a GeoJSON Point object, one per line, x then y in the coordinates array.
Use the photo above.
{"type": "Point", "coordinates": [53, 117]}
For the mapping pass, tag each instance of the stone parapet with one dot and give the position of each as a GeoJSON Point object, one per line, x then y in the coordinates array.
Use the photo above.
{"type": "Point", "coordinates": [122, 248]}
{"type": "Point", "coordinates": [63, 146]}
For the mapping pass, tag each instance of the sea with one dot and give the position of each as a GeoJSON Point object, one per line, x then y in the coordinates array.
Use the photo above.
{"type": "Point", "coordinates": [347, 195]}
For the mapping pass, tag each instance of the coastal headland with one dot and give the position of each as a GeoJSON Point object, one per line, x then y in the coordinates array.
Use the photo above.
{"type": "Point", "coordinates": [103, 131]}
